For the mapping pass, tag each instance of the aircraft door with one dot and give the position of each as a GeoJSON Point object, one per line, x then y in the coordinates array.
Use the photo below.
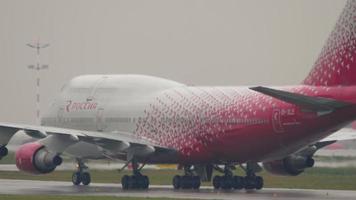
{"type": "Point", "coordinates": [276, 121]}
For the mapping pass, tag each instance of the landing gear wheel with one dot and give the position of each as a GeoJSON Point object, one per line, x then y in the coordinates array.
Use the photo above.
{"type": "Point", "coordinates": [253, 182]}
{"type": "Point", "coordinates": [145, 182]}
{"type": "Point", "coordinates": [81, 175]}
{"type": "Point", "coordinates": [249, 183]}
{"type": "Point", "coordinates": [142, 182]}
{"type": "Point", "coordinates": [196, 182]}
{"type": "Point", "coordinates": [132, 182]}
{"type": "Point", "coordinates": [125, 182]}
{"type": "Point", "coordinates": [238, 182]}
{"type": "Point", "coordinates": [176, 182]}
{"type": "Point", "coordinates": [186, 182]}
{"type": "Point", "coordinates": [86, 179]}
{"type": "Point", "coordinates": [135, 182]}
{"type": "Point", "coordinates": [227, 182]}
{"type": "Point", "coordinates": [83, 178]}
{"type": "Point", "coordinates": [258, 182]}
{"type": "Point", "coordinates": [76, 178]}
{"type": "Point", "coordinates": [217, 182]}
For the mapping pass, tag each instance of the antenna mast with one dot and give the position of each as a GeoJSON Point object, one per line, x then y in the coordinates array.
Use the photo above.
{"type": "Point", "coordinates": [38, 67]}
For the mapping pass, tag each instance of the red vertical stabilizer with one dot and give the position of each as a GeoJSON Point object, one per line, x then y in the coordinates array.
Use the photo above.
{"type": "Point", "coordinates": [336, 64]}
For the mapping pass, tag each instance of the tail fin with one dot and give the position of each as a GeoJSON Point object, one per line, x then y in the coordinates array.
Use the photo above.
{"type": "Point", "coordinates": [336, 64]}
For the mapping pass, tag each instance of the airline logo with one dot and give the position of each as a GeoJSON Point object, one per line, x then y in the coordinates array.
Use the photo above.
{"type": "Point", "coordinates": [80, 106]}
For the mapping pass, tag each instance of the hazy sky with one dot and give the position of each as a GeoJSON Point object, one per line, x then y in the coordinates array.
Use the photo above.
{"type": "Point", "coordinates": [221, 42]}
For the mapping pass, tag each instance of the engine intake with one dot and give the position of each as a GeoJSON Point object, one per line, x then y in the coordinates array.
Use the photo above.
{"type": "Point", "coordinates": [34, 158]}
{"type": "Point", "coordinates": [3, 151]}
{"type": "Point", "coordinates": [290, 166]}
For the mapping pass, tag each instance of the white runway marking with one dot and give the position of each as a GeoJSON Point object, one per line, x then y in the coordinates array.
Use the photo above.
{"type": "Point", "coordinates": [26, 187]}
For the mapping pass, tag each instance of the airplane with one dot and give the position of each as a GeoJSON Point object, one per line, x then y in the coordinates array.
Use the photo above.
{"type": "Point", "coordinates": [148, 120]}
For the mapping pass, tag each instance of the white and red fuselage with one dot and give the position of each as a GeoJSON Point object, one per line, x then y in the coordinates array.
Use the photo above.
{"type": "Point", "coordinates": [204, 124]}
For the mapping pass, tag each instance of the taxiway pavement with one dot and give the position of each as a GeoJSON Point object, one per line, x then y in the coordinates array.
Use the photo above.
{"type": "Point", "coordinates": [28, 187]}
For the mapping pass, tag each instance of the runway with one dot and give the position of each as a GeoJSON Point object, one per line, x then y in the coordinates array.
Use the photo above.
{"type": "Point", "coordinates": [28, 187]}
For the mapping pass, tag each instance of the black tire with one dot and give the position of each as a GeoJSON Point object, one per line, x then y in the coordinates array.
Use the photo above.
{"type": "Point", "coordinates": [238, 182]}
{"type": "Point", "coordinates": [176, 182]}
{"type": "Point", "coordinates": [86, 179]}
{"type": "Point", "coordinates": [133, 182]}
{"type": "Point", "coordinates": [186, 182]}
{"type": "Point", "coordinates": [125, 182]}
{"type": "Point", "coordinates": [196, 182]}
{"type": "Point", "coordinates": [258, 182]}
{"type": "Point", "coordinates": [76, 178]}
{"type": "Point", "coordinates": [145, 182]}
{"type": "Point", "coordinates": [227, 182]}
{"type": "Point", "coordinates": [217, 182]}
{"type": "Point", "coordinates": [250, 183]}
{"type": "Point", "coordinates": [139, 184]}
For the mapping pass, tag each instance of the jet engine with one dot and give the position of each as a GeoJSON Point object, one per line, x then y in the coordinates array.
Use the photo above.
{"type": "Point", "coordinates": [34, 158]}
{"type": "Point", "coordinates": [290, 166]}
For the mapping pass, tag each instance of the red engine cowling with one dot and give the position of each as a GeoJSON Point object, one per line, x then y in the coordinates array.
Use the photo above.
{"type": "Point", "coordinates": [34, 158]}
{"type": "Point", "coordinates": [290, 166]}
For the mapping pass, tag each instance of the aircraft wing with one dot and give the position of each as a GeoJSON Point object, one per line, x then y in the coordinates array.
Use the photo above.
{"type": "Point", "coordinates": [58, 139]}
{"type": "Point", "coordinates": [341, 135]}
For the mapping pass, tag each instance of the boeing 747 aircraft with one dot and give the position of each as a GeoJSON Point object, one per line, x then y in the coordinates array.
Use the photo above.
{"type": "Point", "coordinates": [148, 120]}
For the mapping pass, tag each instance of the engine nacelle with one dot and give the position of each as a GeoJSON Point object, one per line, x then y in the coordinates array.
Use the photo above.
{"type": "Point", "coordinates": [290, 166]}
{"type": "Point", "coordinates": [34, 158]}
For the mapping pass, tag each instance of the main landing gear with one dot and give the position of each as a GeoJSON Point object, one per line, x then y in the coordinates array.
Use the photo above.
{"type": "Point", "coordinates": [251, 180]}
{"type": "Point", "coordinates": [82, 175]}
{"type": "Point", "coordinates": [188, 181]}
{"type": "Point", "coordinates": [229, 181]}
{"type": "Point", "coordinates": [135, 181]}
